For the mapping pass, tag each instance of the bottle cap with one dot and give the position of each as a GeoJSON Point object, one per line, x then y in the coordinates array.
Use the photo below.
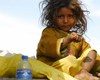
{"type": "Point", "coordinates": [24, 57]}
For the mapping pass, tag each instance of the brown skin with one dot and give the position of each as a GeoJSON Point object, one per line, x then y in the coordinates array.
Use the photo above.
{"type": "Point", "coordinates": [72, 37]}
{"type": "Point", "coordinates": [65, 21]}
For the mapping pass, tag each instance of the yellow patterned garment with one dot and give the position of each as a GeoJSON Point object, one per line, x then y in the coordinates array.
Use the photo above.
{"type": "Point", "coordinates": [49, 46]}
{"type": "Point", "coordinates": [49, 51]}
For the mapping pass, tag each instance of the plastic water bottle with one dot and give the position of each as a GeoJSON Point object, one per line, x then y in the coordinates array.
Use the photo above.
{"type": "Point", "coordinates": [24, 69]}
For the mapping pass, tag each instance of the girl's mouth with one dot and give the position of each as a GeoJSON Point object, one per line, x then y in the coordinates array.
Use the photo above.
{"type": "Point", "coordinates": [66, 26]}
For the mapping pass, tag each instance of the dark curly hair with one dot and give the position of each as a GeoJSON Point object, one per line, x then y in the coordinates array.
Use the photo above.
{"type": "Point", "coordinates": [51, 8]}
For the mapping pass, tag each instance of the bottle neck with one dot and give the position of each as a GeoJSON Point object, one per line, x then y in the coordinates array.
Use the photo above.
{"type": "Point", "coordinates": [24, 59]}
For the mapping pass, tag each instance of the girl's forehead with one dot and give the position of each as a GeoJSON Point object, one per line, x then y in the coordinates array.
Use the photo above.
{"type": "Point", "coordinates": [65, 9]}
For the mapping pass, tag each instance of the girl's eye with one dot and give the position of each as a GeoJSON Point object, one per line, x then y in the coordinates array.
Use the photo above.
{"type": "Point", "coordinates": [61, 16]}
{"type": "Point", "coordinates": [70, 15]}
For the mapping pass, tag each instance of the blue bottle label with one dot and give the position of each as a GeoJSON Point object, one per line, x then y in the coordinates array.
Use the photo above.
{"type": "Point", "coordinates": [24, 74]}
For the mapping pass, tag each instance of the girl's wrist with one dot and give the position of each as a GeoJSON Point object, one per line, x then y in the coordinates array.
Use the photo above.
{"type": "Point", "coordinates": [69, 38]}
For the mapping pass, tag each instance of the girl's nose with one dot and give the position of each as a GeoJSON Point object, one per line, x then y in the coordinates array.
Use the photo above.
{"type": "Point", "coordinates": [65, 20]}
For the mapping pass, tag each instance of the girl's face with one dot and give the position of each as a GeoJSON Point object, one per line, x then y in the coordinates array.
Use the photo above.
{"type": "Point", "coordinates": [65, 19]}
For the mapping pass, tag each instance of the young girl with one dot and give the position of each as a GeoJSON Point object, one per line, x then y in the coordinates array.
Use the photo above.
{"type": "Point", "coordinates": [62, 45]}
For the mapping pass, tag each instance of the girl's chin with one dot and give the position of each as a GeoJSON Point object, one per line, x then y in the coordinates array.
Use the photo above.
{"type": "Point", "coordinates": [65, 30]}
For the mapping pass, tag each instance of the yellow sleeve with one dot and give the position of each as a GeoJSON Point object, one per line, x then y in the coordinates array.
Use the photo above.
{"type": "Point", "coordinates": [84, 46]}
{"type": "Point", "coordinates": [50, 43]}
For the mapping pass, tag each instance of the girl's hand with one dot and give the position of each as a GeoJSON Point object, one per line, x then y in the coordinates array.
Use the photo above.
{"type": "Point", "coordinates": [68, 39]}
{"type": "Point", "coordinates": [75, 37]}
